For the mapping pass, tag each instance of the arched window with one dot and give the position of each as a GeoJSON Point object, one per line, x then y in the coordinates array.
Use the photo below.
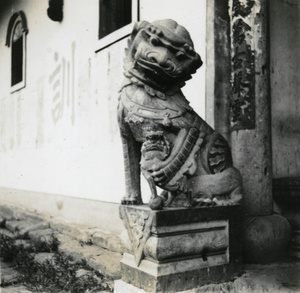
{"type": "Point", "coordinates": [16, 40]}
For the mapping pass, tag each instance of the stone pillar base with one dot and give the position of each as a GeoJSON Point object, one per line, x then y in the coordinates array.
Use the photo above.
{"type": "Point", "coordinates": [179, 249]}
{"type": "Point", "coordinates": [287, 194]}
{"type": "Point", "coordinates": [266, 239]}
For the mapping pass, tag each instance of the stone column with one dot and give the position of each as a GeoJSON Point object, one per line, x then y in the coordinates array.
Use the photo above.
{"type": "Point", "coordinates": [218, 89]}
{"type": "Point", "coordinates": [250, 104]}
{"type": "Point", "coordinates": [238, 81]}
{"type": "Point", "coordinates": [265, 235]}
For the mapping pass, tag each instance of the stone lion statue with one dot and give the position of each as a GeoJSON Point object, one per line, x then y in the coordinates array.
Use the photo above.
{"type": "Point", "coordinates": [162, 136]}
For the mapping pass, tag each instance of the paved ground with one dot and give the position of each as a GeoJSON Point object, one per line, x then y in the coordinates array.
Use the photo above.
{"type": "Point", "coordinates": [41, 255]}
{"type": "Point", "coordinates": [94, 258]}
{"type": "Point", "coordinates": [273, 278]}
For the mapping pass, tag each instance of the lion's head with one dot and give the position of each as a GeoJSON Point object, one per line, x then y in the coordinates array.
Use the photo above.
{"type": "Point", "coordinates": [161, 54]}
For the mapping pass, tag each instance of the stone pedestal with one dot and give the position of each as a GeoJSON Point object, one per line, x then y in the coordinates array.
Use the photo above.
{"type": "Point", "coordinates": [287, 194]}
{"type": "Point", "coordinates": [176, 249]}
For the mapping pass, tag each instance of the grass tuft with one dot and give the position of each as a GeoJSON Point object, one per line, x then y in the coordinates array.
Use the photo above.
{"type": "Point", "coordinates": [57, 274]}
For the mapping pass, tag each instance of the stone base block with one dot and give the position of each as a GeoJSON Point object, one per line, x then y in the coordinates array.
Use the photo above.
{"type": "Point", "coordinates": [122, 287]}
{"type": "Point", "coordinates": [179, 249]}
{"type": "Point", "coordinates": [176, 276]}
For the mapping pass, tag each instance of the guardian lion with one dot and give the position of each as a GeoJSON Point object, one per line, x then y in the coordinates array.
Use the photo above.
{"type": "Point", "coordinates": [163, 137]}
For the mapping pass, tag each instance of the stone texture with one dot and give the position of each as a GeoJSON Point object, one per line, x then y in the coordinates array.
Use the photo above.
{"type": "Point", "coordinates": [8, 275]}
{"type": "Point", "coordinates": [71, 248]}
{"type": "Point", "coordinates": [82, 272]}
{"type": "Point", "coordinates": [33, 227]}
{"type": "Point", "coordinates": [13, 213]}
{"type": "Point", "coordinates": [7, 233]}
{"type": "Point", "coordinates": [179, 249]}
{"type": "Point", "coordinates": [6, 212]}
{"type": "Point", "coordinates": [78, 232]}
{"type": "Point", "coordinates": [251, 149]}
{"type": "Point", "coordinates": [287, 195]}
{"type": "Point", "coordinates": [177, 275]}
{"type": "Point", "coordinates": [266, 239]}
{"type": "Point", "coordinates": [102, 260]}
{"type": "Point", "coordinates": [23, 243]}
{"type": "Point", "coordinates": [2, 221]}
{"type": "Point", "coordinates": [15, 289]}
{"type": "Point", "coordinates": [273, 278]}
{"type": "Point", "coordinates": [277, 277]}
{"type": "Point", "coordinates": [42, 257]}
{"type": "Point", "coordinates": [212, 238]}
{"type": "Point", "coordinates": [96, 236]}
{"type": "Point", "coordinates": [282, 277]}
{"type": "Point", "coordinates": [121, 286]}
{"type": "Point", "coordinates": [42, 237]}
{"type": "Point", "coordinates": [12, 226]}
{"type": "Point", "coordinates": [125, 242]}
{"type": "Point", "coordinates": [107, 263]}
{"type": "Point", "coordinates": [24, 214]}
{"type": "Point", "coordinates": [22, 227]}
{"type": "Point", "coordinates": [107, 240]}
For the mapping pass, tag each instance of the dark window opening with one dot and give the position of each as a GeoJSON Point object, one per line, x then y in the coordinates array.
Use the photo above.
{"type": "Point", "coordinates": [17, 61]}
{"type": "Point", "coordinates": [114, 14]}
{"type": "Point", "coordinates": [55, 10]}
{"type": "Point", "coordinates": [16, 40]}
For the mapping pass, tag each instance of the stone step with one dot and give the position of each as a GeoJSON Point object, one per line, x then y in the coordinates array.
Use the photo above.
{"type": "Point", "coordinates": [44, 240]}
{"type": "Point", "coordinates": [43, 257]}
{"type": "Point", "coordinates": [96, 236]}
{"type": "Point", "coordinates": [23, 227]}
{"type": "Point", "coordinates": [104, 261]}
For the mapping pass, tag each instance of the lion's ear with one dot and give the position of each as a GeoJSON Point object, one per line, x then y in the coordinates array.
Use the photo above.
{"type": "Point", "coordinates": [137, 27]}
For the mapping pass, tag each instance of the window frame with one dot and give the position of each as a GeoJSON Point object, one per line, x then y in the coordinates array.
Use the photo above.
{"type": "Point", "coordinates": [14, 20]}
{"type": "Point", "coordinates": [120, 33]}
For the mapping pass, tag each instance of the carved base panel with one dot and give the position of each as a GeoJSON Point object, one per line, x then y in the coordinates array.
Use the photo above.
{"type": "Point", "coordinates": [179, 249]}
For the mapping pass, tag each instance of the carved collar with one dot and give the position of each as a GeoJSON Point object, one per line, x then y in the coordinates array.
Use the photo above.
{"type": "Point", "coordinates": [129, 79]}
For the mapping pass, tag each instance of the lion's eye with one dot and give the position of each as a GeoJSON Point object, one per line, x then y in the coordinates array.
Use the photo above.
{"type": "Point", "coordinates": [155, 41]}
{"type": "Point", "coordinates": [180, 55]}
{"type": "Point", "coordinates": [188, 49]}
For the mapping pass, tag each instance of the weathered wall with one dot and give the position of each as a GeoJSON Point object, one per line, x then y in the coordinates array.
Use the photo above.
{"type": "Point", "coordinates": [285, 86]}
{"type": "Point", "coordinates": [59, 134]}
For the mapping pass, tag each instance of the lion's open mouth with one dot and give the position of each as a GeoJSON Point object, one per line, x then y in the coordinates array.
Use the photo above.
{"type": "Point", "coordinates": [168, 74]}
{"type": "Point", "coordinates": [154, 148]}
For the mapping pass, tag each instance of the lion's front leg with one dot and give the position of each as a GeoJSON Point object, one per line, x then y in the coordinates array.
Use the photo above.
{"type": "Point", "coordinates": [131, 154]}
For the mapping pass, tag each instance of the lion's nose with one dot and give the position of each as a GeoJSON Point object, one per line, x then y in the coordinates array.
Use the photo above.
{"type": "Point", "coordinates": [161, 58]}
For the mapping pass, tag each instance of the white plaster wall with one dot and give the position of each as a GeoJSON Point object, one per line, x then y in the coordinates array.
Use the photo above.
{"type": "Point", "coordinates": [59, 134]}
{"type": "Point", "coordinates": [285, 86]}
